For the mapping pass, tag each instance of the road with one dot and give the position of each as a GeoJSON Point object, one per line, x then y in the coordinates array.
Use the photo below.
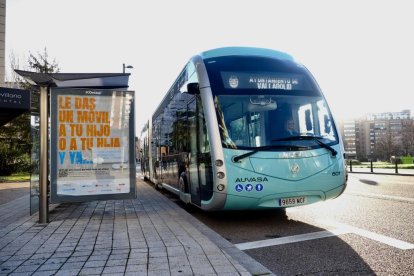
{"type": "Point", "coordinates": [366, 231]}
{"type": "Point", "coordinates": [13, 190]}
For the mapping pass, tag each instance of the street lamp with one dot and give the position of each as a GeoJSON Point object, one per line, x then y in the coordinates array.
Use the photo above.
{"type": "Point", "coordinates": [128, 66]}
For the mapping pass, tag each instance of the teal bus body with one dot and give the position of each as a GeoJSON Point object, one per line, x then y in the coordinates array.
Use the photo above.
{"type": "Point", "coordinates": [244, 128]}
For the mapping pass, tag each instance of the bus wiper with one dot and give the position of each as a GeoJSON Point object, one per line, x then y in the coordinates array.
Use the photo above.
{"type": "Point", "coordinates": [315, 138]}
{"type": "Point", "coordinates": [247, 154]}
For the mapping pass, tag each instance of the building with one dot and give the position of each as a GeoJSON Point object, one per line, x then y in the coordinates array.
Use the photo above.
{"type": "Point", "coordinates": [349, 129]}
{"type": "Point", "coordinates": [405, 114]}
{"type": "Point", "coordinates": [363, 138]}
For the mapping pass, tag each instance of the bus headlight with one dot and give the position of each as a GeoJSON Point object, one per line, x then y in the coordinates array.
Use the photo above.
{"type": "Point", "coordinates": [221, 175]}
{"type": "Point", "coordinates": [220, 187]}
{"type": "Point", "coordinates": [219, 163]}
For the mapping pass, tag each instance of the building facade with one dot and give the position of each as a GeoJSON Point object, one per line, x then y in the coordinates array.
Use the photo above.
{"type": "Point", "coordinates": [349, 130]}
{"type": "Point", "coordinates": [378, 136]}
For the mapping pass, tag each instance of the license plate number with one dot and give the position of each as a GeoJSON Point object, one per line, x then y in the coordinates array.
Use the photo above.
{"type": "Point", "coordinates": [292, 201]}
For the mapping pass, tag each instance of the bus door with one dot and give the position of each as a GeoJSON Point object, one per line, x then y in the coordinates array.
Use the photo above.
{"type": "Point", "coordinates": [194, 172]}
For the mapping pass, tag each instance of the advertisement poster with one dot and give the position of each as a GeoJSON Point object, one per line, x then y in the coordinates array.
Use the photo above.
{"type": "Point", "coordinates": [92, 145]}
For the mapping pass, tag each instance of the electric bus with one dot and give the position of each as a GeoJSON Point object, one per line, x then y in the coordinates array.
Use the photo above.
{"type": "Point", "coordinates": [219, 137]}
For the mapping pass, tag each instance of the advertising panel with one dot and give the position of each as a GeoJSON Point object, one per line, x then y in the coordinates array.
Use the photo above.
{"type": "Point", "coordinates": [92, 145]}
{"type": "Point", "coordinates": [14, 98]}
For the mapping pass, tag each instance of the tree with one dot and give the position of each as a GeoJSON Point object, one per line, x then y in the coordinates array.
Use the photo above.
{"type": "Point", "coordinates": [36, 62]}
{"type": "Point", "coordinates": [15, 138]}
{"type": "Point", "coordinates": [383, 146]}
{"type": "Point", "coordinates": [408, 138]}
{"type": "Point", "coordinates": [15, 144]}
{"type": "Point", "coordinates": [387, 145]}
{"type": "Point", "coordinates": [41, 64]}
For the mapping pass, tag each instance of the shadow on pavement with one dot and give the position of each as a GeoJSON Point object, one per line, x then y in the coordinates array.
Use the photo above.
{"type": "Point", "coordinates": [369, 182]}
{"type": "Point", "coordinates": [326, 256]}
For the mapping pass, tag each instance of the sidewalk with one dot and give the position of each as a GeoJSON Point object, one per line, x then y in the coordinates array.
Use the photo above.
{"type": "Point", "coordinates": [149, 235]}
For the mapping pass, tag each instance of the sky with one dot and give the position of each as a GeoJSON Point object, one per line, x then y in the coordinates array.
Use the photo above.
{"type": "Point", "coordinates": [360, 52]}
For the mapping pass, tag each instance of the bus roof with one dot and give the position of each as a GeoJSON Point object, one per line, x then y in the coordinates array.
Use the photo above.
{"type": "Point", "coordinates": [245, 51]}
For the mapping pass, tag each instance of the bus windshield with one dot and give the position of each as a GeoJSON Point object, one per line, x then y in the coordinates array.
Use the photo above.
{"type": "Point", "coordinates": [252, 121]}
{"type": "Point", "coordinates": [263, 101]}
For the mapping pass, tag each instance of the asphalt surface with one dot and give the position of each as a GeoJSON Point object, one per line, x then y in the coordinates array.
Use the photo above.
{"type": "Point", "coordinates": [12, 190]}
{"type": "Point", "coordinates": [361, 231]}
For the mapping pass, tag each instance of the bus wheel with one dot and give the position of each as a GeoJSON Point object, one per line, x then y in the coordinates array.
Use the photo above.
{"type": "Point", "coordinates": [182, 183]}
{"type": "Point", "coordinates": [183, 186]}
{"type": "Point", "coordinates": [157, 187]}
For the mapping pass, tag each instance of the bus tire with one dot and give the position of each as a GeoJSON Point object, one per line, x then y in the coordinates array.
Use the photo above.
{"type": "Point", "coordinates": [184, 189]}
{"type": "Point", "coordinates": [182, 183]}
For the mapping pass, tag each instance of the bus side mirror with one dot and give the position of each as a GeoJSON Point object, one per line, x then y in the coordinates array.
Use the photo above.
{"type": "Point", "coordinates": [193, 88]}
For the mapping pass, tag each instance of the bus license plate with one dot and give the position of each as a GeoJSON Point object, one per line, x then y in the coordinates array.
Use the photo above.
{"type": "Point", "coordinates": [292, 201]}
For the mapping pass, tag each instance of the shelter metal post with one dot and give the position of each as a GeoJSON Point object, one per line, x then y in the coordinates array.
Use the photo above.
{"type": "Point", "coordinates": [43, 164]}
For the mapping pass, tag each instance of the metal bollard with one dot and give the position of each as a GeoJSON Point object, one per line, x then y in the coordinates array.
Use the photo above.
{"type": "Point", "coordinates": [350, 165]}
{"type": "Point", "coordinates": [396, 167]}
{"type": "Point", "coordinates": [372, 168]}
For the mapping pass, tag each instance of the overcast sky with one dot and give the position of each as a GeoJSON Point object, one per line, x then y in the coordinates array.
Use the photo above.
{"type": "Point", "coordinates": [360, 52]}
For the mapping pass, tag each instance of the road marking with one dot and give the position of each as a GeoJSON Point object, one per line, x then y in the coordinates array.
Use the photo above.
{"type": "Point", "coordinates": [387, 197]}
{"type": "Point", "coordinates": [339, 230]}
{"type": "Point", "coordinates": [373, 236]}
{"type": "Point", "coordinates": [291, 239]}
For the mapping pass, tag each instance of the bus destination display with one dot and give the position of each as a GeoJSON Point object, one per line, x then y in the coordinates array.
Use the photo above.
{"type": "Point", "coordinates": [242, 80]}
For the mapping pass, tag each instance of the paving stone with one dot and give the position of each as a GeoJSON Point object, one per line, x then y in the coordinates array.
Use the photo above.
{"type": "Point", "coordinates": [68, 272]}
{"type": "Point", "coordinates": [113, 269]}
{"type": "Point", "coordinates": [185, 270]}
{"type": "Point", "coordinates": [116, 262]}
{"type": "Point", "coordinates": [45, 273]}
{"type": "Point", "coordinates": [81, 253]}
{"type": "Point", "coordinates": [91, 271]}
{"type": "Point", "coordinates": [34, 262]}
{"type": "Point", "coordinates": [27, 268]}
{"type": "Point", "coordinates": [98, 258]}
{"type": "Point", "coordinates": [131, 268]}
{"type": "Point", "coordinates": [20, 257]}
{"type": "Point", "coordinates": [77, 259]}
{"type": "Point", "coordinates": [70, 266]}
{"type": "Point", "coordinates": [95, 264]}
{"type": "Point", "coordinates": [10, 263]}
{"type": "Point", "coordinates": [49, 267]}
{"type": "Point", "coordinates": [56, 261]}
{"type": "Point", "coordinates": [118, 257]}
{"type": "Point", "coordinates": [144, 236]}
{"type": "Point", "coordinates": [41, 256]}
{"type": "Point", "coordinates": [164, 272]}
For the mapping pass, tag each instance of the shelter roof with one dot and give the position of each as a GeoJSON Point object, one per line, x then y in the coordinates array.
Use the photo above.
{"type": "Point", "coordinates": [86, 80]}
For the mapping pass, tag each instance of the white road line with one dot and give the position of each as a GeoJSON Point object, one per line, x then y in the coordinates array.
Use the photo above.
{"type": "Point", "coordinates": [291, 239]}
{"type": "Point", "coordinates": [387, 197]}
{"type": "Point", "coordinates": [373, 236]}
{"type": "Point", "coordinates": [339, 230]}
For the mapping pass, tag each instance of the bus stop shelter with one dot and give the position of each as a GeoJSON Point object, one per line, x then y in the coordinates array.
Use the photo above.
{"type": "Point", "coordinates": [46, 82]}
